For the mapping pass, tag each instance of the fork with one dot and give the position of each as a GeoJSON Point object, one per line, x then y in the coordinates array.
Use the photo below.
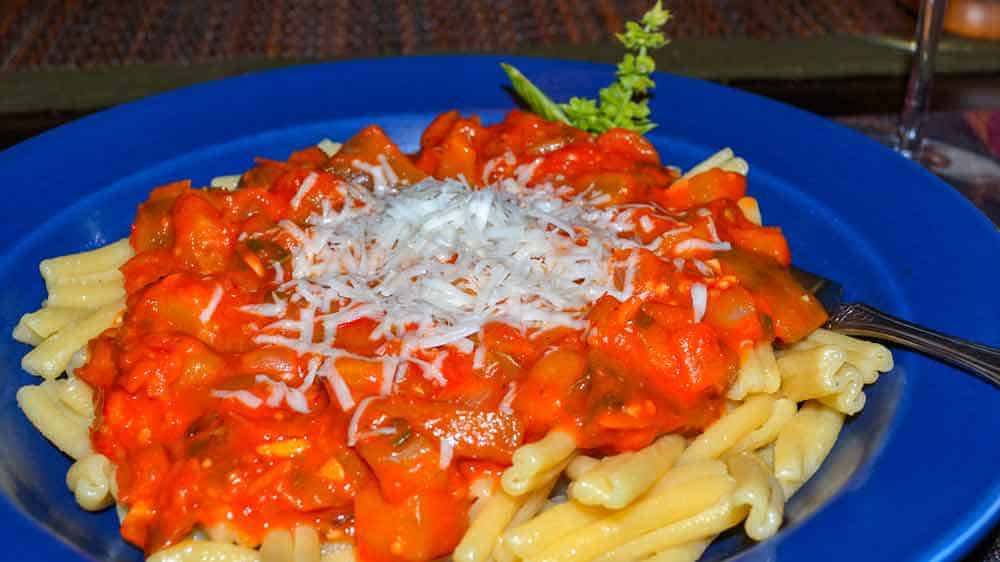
{"type": "Point", "coordinates": [858, 319]}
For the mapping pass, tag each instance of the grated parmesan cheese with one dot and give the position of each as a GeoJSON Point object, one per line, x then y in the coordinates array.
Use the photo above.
{"type": "Point", "coordinates": [447, 452]}
{"type": "Point", "coordinates": [690, 244]}
{"type": "Point", "coordinates": [433, 263]}
{"type": "Point", "coordinates": [213, 303]}
{"type": "Point", "coordinates": [245, 396]}
{"type": "Point", "coordinates": [506, 403]}
{"type": "Point", "coordinates": [304, 188]}
{"type": "Point", "coordinates": [352, 427]}
{"type": "Point", "coordinates": [340, 388]}
{"type": "Point", "coordinates": [699, 301]}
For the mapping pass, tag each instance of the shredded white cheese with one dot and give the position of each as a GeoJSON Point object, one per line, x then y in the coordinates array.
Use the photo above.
{"type": "Point", "coordinates": [699, 301]}
{"type": "Point", "coordinates": [340, 388]}
{"type": "Point", "coordinates": [433, 263]}
{"type": "Point", "coordinates": [690, 244]}
{"type": "Point", "coordinates": [213, 303]}
{"type": "Point", "coordinates": [506, 403]}
{"type": "Point", "coordinates": [304, 187]}
{"type": "Point", "coordinates": [245, 396]}
{"type": "Point", "coordinates": [352, 427]}
{"type": "Point", "coordinates": [447, 452]}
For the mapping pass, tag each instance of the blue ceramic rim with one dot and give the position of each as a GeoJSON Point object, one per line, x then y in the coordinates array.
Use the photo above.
{"type": "Point", "coordinates": [978, 518]}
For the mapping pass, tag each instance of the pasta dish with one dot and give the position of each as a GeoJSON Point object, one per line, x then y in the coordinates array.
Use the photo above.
{"type": "Point", "coordinates": [525, 341]}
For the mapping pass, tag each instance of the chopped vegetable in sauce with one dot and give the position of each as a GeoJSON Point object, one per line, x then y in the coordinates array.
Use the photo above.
{"type": "Point", "coordinates": [255, 380]}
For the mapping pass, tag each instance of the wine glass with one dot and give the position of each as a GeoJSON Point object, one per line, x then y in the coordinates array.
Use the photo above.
{"type": "Point", "coordinates": [910, 141]}
{"type": "Point", "coordinates": [973, 174]}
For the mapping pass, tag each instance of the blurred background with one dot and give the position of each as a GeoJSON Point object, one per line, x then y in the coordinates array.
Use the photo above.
{"type": "Point", "coordinates": [846, 59]}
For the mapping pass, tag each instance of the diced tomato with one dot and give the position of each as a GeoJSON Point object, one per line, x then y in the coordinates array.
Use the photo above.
{"type": "Point", "coordinates": [421, 527]}
{"type": "Point", "coordinates": [263, 175]}
{"type": "Point", "coordinates": [101, 369]}
{"type": "Point", "coordinates": [702, 189]}
{"type": "Point", "coordinates": [366, 146]}
{"type": "Point", "coordinates": [301, 206]}
{"type": "Point", "coordinates": [734, 315]}
{"type": "Point", "coordinates": [204, 242]}
{"type": "Point", "coordinates": [548, 389]}
{"type": "Point", "coordinates": [793, 311]}
{"type": "Point", "coordinates": [147, 267]}
{"type": "Point", "coordinates": [767, 241]}
{"type": "Point", "coordinates": [631, 145]}
{"type": "Point", "coordinates": [309, 158]}
{"type": "Point", "coordinates": [477, 433]}
{"type": "Point", "coordinates": [153, 227]}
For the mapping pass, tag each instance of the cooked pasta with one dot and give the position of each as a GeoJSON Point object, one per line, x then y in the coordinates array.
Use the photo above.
{"type": "Point", "coordinates": [56, 271]}
{"type": "Point", "coordinates": [617, 480]}
{"type": "Point", "coordinates": [498, 512]}
{"type": "Point", "coordinates": [758, 373]}
{"type": "Point", "coordinates": [539, 463]}
{"type": "Point", "coordinates": [66, 428]}
{"type": "Point", "coordinates": [90, 481]}
{"type": "Point", "coordinates": [724, 434]}
{"type": "Point", "coordinates": [804, 443]}
{"type": "Point", "coordinates": [205, 551]}
{"type": "Point", "coordinates": [53, 354]}
{"type": "Point", "coordinates": [350, 429]}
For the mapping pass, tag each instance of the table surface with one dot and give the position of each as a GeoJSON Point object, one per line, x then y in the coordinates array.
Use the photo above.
{"type": "Point", "coordinates": [61, 59]}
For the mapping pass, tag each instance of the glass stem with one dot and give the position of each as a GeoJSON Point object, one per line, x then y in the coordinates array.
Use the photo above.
{"type": "Point", "coordinates": [910, 138]}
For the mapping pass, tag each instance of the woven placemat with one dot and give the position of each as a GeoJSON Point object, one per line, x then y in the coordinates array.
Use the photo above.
{"type": "Point", "coordinates": [37, 34]}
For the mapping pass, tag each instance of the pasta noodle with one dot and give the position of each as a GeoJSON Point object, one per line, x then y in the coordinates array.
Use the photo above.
{"type": "Point", "coordinates": [803, 444]}
{"type": "Point", "coordinates": [687, 552]}
{"type": "Point", "coordinates": [716, 160]}
{"type": "Point", "coordinates": [580, 465]}
{"type": "Point", "coordinates": [205, 551]}
{"type": "Point", "coordinates": [66, 428]}
{"type": "Point", "coordinates": [90, 481]}
{"type": "Point", "coordinates": [672, 503]}
{"type": "Point", "coordinates": [758, 373]}
{"type": "Point", "coordinates": [301, 545]}
{"type": "Point", "coordinates": [25, 334]}
{"type": "Point", "coordinates": [850, 399]}
{"type": "Point", "coordinates": [530, 538]}
{"type": "Point", "coordinates": [811, 373]}
{"type": "Point", "coordinates": [730, 429]}
{"type": "Point", "coordinates": [48, 320]}
{"type": "Point", "coordinates": [98, 278]}
{"type": "Point", "coordinates": [531, 506]}
{"type": "Point", "coordinates": [337, 552]}
{"type": "Point", "coordinates": [538, 463]}
{"type": "Point", "coordinates": [53, 355]}
{"type": "Point", "coordinates": [85, 296]}
{"type": "Point", "coordinates": [722, 515]}
{"type": "Point", "coordinates": [615, 481]}
{"type": "Point", "coordinates": [868, 357]}
{"type": "Point", "coordinates": [758, 489]}
{"type": "Point", "coordinates": [105, 258]}
{"type": "Point", "coordinates": [781, 412]}
{"type": "Point", "coordinates": [750, 209]}
{"type": "Point", "coordinates": [496, 514]}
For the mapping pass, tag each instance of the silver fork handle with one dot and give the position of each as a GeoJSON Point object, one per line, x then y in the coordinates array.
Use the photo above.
{"type": "Point", "coordinates": [857, 319]}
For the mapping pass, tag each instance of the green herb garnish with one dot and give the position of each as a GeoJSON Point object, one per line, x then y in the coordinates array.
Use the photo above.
{"type": "Point", "coordinates": [625, 103]}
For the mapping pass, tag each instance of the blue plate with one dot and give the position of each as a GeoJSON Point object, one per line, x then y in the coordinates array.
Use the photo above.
{"type": "Point", "coordinates": [916, 476]}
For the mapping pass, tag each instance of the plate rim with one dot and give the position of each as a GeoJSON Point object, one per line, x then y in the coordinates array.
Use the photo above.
{"type": "Point", "coordinates": [959, 541]}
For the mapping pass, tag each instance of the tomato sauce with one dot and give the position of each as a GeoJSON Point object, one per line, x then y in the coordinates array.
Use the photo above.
{"type": "Point", "coordinates": [188, 458]}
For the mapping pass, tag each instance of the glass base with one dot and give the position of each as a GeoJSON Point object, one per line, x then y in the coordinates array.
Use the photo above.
{"type": "Point", "coordinates": [974, 175]}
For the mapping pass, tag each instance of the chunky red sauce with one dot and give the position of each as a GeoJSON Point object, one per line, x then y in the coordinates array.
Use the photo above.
{"type": "Point", "coordinates": [188, 458]}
